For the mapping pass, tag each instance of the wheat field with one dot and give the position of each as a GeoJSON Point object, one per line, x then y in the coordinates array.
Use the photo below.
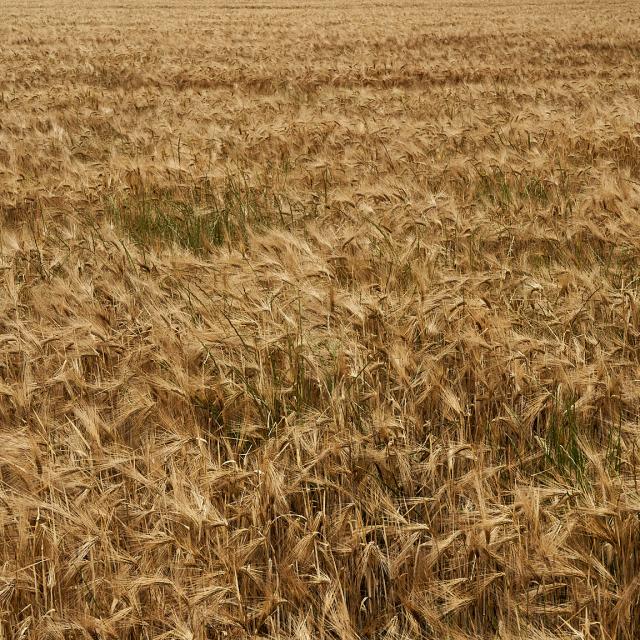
{"type": "Point", "coordinates": [319, 320]}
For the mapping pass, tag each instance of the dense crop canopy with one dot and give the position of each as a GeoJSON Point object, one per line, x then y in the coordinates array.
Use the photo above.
{"type": "Point", "coordinates": [319, 320]}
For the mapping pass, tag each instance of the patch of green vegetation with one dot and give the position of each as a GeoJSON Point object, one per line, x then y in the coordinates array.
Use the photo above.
{"type": "Point", "coordinates": [504, 189]}
{"type": "Point", "coordinates": [613, 455]}
{"type": "Point", "coordinates": [168, 221]}
{"type": "Point", "coordinates": [198, 219]}
{"type": "Point", "coordinates": [561, 444]}
{"type": "Point", "coordinates": [534, 189]}
{"type": "Point", "coordinates": [494, 187]}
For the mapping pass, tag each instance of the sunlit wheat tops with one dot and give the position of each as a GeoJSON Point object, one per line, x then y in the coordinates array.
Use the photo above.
{"type": "Point", "coordinates": [319, 321]}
